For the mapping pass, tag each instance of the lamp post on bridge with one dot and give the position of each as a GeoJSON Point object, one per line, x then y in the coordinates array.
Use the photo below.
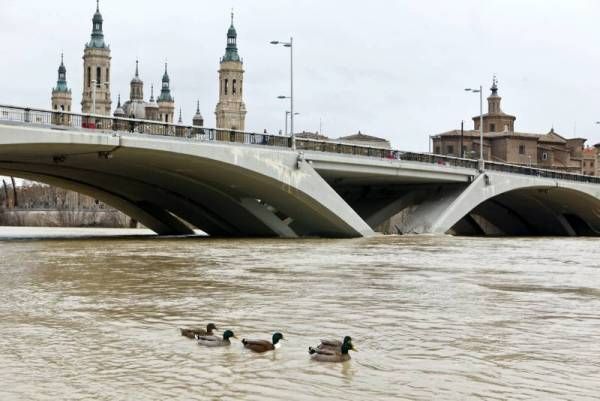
{"type": "Point", "coordinates": [290, 44]}
{"type": "Point", "coordinates": [480, 91]}
{"type": "Point", "coordinates": [287, 113]}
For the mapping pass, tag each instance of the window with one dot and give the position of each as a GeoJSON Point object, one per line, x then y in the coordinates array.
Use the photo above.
{"type": "Point", "coordinates": [592, 163]}
{"type": "Point", "coordinates": [233, 87]}
{"type": "Point", "coordinates": [521, 149]}
{"type": "Point", "coordinates": [437, 150]}
{"type": "Point", "coordinates": [544, 156]}
{"type": "Point", "coordinates": [97, 76]}
{"type": "Point", "coordinates": [107, 75]}
{"type": "Point", "coordinates": [89, 77]}
{"type": "Point", "coordinates": [55, 108]}
{"type": "Point", "coordinates": [492, 127]}
{"type": "Point", "coordinates": [450, 149]}
{"type": "Point", "coordinates": [226, 84]}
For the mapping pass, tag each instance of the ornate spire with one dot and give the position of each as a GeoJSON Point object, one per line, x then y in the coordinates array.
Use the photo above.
{"type": "Point", "coordinates": [198, 120]}
{"type": "Point", "coordinates": [494, 87]}
{"type": "Point", "coordinates": [165, 92]}
{"type": "Point", "coordinates": [97, 34]}
{"type": "Point", "coordinates": [231, 51]}
{"type": "Point", "coordinates": [152, 93]}
{"type": "Point", "coordinates": [61, 83]}
{"type": "Point", "coordinates": [137, 72]}
{"type": "Point", "coordinates": [119, 112]}
{"type": "Point", "coordinates": [180, 118]}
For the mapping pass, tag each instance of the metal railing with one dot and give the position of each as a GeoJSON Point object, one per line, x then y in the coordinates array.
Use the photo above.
{"type": "Point", "coordinates": [63, 120]}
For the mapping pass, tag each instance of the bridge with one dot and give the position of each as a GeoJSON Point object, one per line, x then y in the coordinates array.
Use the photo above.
{"type": "Point", "coordinates": [172, 178]}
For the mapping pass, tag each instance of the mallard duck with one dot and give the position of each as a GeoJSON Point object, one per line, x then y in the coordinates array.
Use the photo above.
{"type": "Point", "coordinates": [263, 345]}
{"type": "Point", "coordinates": [216, 341]}
{"type": "Point", "coordinates": [334, 344]}
{"type": "Point", "coordinates": [193, 332]}
{"type": "Point", "coordinates": [332, 355]}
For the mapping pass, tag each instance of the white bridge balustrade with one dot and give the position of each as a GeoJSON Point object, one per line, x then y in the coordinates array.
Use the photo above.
{"type": "Point", "coordinates": [174, 177]}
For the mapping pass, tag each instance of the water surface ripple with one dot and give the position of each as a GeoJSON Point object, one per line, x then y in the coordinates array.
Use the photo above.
{"type": "Point", "coordinates": [433, 318]}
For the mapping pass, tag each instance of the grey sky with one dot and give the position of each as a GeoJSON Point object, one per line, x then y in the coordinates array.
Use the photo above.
{"type": "Point", "coordinates": [389, 68]}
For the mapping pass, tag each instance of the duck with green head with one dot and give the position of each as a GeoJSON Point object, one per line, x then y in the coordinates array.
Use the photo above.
{"type": "Point", "coordinates": [263, 345]}
{"type": "Point", "coordinates": [335, 345]}
{"type": "Point", "coordinates": [197, 331]}
{"type": "Point", "coordinates": [216, 341]}
{"type": "Point", "coordinates": [332, 354]}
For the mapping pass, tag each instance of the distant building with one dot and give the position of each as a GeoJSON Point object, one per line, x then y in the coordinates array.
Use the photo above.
{"type": "Point", "coordinates": [590, 164]}
{"type": "Point", "coordinates": [312, 135]}
{"type": "Point", "coordinates": [501, 143]}
{"type": "Point", "coordinates": [365, 140]}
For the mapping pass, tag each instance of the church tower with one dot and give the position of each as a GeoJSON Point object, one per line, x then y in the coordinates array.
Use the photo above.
{"type": "Point", "coordinates": [96, 67]}
{"type": "Point", "coordinates": [61, 94]}
{"type": "Point", "coordinates": [495, 120]}
{"type": "Point", "coordinates": [166, 103]}
{"type": "Point", "coordinates": [136, 87]}
{"type": "Point", "coordinates": [231, 110]}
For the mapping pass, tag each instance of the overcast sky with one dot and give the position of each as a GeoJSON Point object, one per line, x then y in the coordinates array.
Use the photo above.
{"type": "Point", "coordinates": [395, 69]}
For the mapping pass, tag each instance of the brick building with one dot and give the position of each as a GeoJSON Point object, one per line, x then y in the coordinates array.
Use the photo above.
{"type": "Point", "coordinates": [501, 143]}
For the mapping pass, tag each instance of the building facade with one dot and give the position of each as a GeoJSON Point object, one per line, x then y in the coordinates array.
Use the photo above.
{"type": "Point", "coordinates": [231, 110]}
{"type": "Point", "coordinates": [96, 71]}
{"type": "Point", "coordinates": [501, 143]}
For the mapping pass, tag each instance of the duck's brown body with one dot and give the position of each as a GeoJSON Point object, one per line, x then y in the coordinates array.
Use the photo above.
{"type": "Point", "coordinates": [258, 345]}
{"type": "Point", "coordinates": [261, 346]}
{"type": "Point", "coordinates": [197, 331]}
{"type": "Point", "coordinates": [328, 355]}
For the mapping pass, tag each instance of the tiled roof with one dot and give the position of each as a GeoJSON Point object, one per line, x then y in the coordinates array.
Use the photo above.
{"type": "Point", "coordinates": [362, 137]}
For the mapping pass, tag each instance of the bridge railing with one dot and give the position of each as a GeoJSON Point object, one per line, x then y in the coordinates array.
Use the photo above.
{"type": "Point", "coordinates": [63, 119]}
{"type": "Point", "coordinates": [58, 119]}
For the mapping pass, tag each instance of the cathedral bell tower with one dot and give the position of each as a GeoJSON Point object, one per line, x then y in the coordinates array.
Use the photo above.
{"type": "Point", "coordinates": [61, 96]}
{"type": "Point", "coordinates": [166, 103]}
{"type": "Point", "coordinates": [231, 110]}
{"type": "Point", "coordinates": [96, 70]}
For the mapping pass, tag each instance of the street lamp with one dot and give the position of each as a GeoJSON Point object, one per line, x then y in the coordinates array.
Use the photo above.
{"type": "Point", "coordinates": [290, 44]}
{"type": "Point", "coordinates": [480, 91]}
{"type": "Point", "coordinates": [287, 113]}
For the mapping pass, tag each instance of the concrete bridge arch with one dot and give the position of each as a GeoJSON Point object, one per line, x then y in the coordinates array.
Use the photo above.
{"type": "Point", "coordinates": [498, 203]}
{"type": "Point", "coordinates": [170, 184]}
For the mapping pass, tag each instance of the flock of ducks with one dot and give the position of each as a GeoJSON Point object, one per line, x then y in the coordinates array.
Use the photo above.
{"type": "Point", "coordinates": [325, 351]}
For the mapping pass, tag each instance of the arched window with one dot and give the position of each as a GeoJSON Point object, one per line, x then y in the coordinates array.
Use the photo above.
{"type": "Point", "coordinates": [98, 76]}
{"type": "Point", "coordinates": [233, 87]}
{"type": "Point", "coordinates": [89, 77]}
{"type": "Point", "coordinates": [107, 75]}
{"type": "Point", "coordinates": [226, 84]}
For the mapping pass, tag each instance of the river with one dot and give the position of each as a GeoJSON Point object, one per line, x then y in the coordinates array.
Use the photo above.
{"type": "Point", "coordinates": [88, 316]}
